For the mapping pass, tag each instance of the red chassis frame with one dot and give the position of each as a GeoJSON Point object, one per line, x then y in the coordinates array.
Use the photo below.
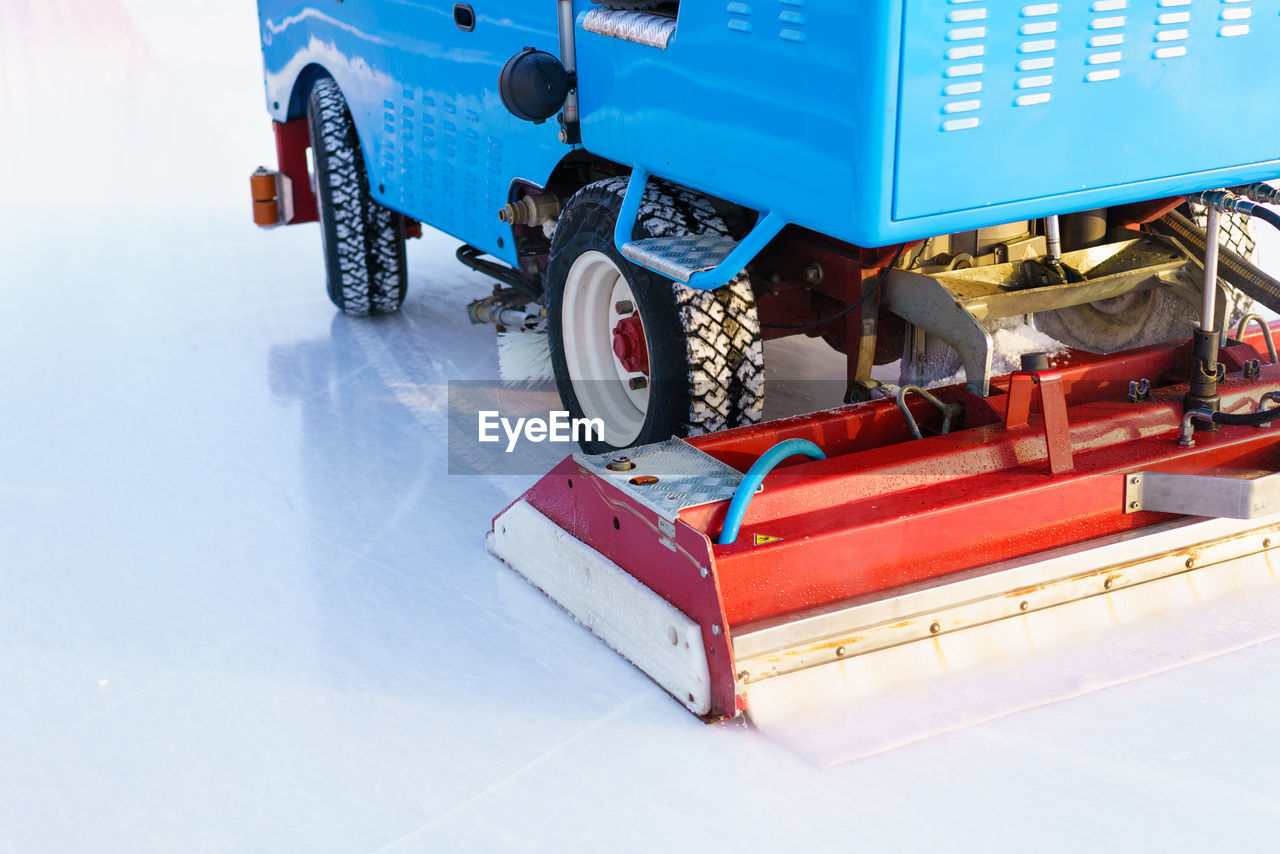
{"type": "Point", "coordinates": [1039, 464]}
{"type": "Point", "coordinates": [806, 283]}
{"type": "Point", "coordinates": [293, 138]}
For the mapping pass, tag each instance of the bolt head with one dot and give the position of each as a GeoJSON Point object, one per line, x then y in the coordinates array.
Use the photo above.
{"type": "Point", "coordinates": [620, 464]}
{"type": "Point", "coordinates": [935, 627]}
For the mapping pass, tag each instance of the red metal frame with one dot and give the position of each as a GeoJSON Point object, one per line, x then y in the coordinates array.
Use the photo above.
{"type": "Point", "coordinates": [1038, 464]}
{"type": "Point", "coordinates": [1138, 213]}
{"type": "Point", "coordinates": [293, 138]}
{"type": "Point", "coordinates": [791, 302]}
{"type": "Point", "coordinates": [600, 516]}
{"type": "Point", "coordinates": [804, 278]}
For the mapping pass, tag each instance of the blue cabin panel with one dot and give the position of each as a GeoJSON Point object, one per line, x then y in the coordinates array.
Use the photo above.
{"type": "Point", "coordinates": [439, 145]}
{"type": "Point", "coordinates": [1006, 102]}
{"type": "Point", "coordinates": [873, 122]}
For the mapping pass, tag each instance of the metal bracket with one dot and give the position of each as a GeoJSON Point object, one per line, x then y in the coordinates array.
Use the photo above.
{"type": "Point", "coordinates": [950, 411]}
{"type": "Point", "coordinates": [923, 302]}
{"type": "Point", "coordinates": [292, 141]}
{"type": "Point", "coordinates": [959, 306]}
{"type": "Point", "coordinates": [1202, 495]}
{"type": "Point", "coordinates": [1267, 337]}
{"type": "Point", "coordinates": [1139, 391]}
{"type": "Point", "coordinates": [1024, 387]}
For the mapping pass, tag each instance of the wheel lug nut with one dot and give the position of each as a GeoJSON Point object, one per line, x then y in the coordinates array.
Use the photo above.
{"type": "Point", "coordinates": [624, 307]}
{"type": "Point", "coordinates": [638, 383]}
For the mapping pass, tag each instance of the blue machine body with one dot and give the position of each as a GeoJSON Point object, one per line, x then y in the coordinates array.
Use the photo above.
{"type": "Point", "coordinates": [871, 122]}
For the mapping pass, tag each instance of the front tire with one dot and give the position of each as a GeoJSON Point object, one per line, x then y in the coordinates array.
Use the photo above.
{"type": "Point", "coordinates": [364, 258]}
{"type": "Point", "coordinates": [691, 361]}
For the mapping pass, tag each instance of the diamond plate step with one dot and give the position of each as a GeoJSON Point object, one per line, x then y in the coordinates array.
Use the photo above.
{"type": "Point", "coordinates": [667, 477]}
{"type": "Point", "coordinates": [679, 258]}
{"type": "Point", "coordinates": [639, 27]}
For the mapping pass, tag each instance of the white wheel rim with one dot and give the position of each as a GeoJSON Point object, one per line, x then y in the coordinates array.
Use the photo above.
{"type": "Point", "coordinates": [600, 381]}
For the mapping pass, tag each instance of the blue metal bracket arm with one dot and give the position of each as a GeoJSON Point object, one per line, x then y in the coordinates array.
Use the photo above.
{"type": "Point", "coordinates": [705, 262]}
{"type": "Point", "coordinates": [625, 227]}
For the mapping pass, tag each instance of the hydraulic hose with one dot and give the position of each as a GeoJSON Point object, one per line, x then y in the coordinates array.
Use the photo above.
{"type": "Point", "coordinates": [1244, 419]}
{"type": "Point", "coordinates": [1267, 215]}
{"type": "Point", "coordinates": [1234, 270]}
{"type": "Point", "coordinates": [470, 256]}
{"type": "Point", "coordinates": [1261, 417]}
{"type": "Point", "coordinates": [1226, 201]}
{"type": "Point", "coordinates": [755, 476]}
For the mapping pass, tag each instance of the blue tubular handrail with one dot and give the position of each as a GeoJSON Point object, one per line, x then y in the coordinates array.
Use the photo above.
{"type": "Point", "coordinates": [624, 228]}
{"type": "Point", "coordinates": [767, 227]}
{"type": "Point", "coordinates": [755, 476]}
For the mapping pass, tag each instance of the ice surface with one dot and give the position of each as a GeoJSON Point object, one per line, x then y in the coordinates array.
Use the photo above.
{"type": "Point", "coordinates": [244, 608]}
{"type": "Point", "coordinates": [921, 690]}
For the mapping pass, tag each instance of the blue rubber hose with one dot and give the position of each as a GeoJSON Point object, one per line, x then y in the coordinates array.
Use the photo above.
{"type": "Point", "coordinates": [755, 476]}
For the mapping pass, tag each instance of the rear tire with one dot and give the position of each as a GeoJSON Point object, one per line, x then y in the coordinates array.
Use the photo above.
{"type": "Point", "coordinates": [705, 354]}
{"type": "Point", "coordinates": [364, 258]}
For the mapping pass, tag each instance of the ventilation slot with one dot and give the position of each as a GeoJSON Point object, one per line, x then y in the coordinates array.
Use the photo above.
{"type": "Point", "coordinates": [964, 52]}
{"type": "Point", "coordinates": [1235, 18]}
{"type": "Point", "coordinates": [1036, 54]}
{"type": "Point", "coordinates": [793, 21]}
{"type": "Point", "coordinates": [1172, 28]}
{"type": "Point", "coordinates": [1106, 40]}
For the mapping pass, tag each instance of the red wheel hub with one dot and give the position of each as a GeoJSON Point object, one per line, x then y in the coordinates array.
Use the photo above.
{"type": "Point", "coordinates": [629, 345]}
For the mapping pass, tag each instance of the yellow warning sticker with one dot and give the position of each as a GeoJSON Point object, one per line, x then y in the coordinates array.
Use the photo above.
{"type": "Point", "coordinates": [763, 539]}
